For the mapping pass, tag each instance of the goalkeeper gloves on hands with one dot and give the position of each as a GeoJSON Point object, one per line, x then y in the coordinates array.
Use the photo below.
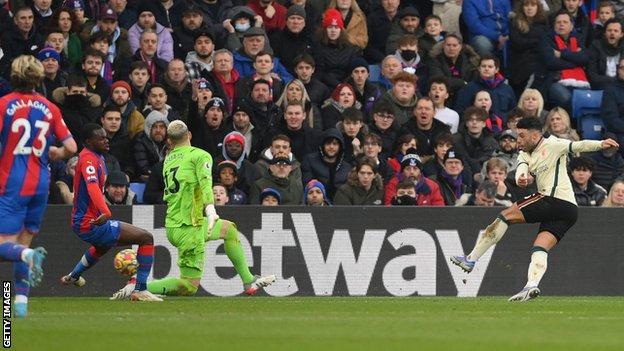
{"type": "Point", "coordinates": [212, 215]}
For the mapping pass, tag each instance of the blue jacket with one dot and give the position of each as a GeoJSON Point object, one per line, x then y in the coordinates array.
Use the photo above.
{"type": "Point", "coordinates": [243, 64]}
{"type": "Point", "coordinates": [486, 17]}
{"type": "Point", "coordinates": [503, 97]}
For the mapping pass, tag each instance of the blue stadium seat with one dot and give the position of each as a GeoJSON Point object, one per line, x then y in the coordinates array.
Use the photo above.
{"type": "Point", "coordinates": [591, 127]}
{"type": "Point", "coordinates": [585, 102]}
{"type": "Point", "coordinates": [139, 189]}
{"type": "Point", "coordinates": [374, 73]}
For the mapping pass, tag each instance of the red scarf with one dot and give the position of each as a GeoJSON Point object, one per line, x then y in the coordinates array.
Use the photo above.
{"type": "Point", "coordinates": [571, 77]}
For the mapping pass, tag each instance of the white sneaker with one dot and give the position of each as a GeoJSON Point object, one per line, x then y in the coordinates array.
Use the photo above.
{"type": "Point", "coordinates": [144, 295]}
{"type": "Point", "coordinates": [259, 283]}
{"type": "Point", "coordinates": [526, 294]}
{"type": "Point", "coordinates": [125, 292]}
{"type": "Point", "coordinates": [68, 279]}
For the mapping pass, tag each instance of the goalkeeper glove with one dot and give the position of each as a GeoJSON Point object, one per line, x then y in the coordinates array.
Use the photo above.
{"type": "Point", "coordinates": [212, 215]}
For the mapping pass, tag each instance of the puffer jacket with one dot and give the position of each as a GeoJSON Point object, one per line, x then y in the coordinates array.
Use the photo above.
{"type": "Point", "coordinates": [353, 194]}
{"type": "Point", "coordinates": [594, 195]}
{"type": "Point", "coordinates": [290, 189]}
{"type": "Point", "coordinates": [165, 41]}
{"type": "Point", "coordinates": [333, 62]}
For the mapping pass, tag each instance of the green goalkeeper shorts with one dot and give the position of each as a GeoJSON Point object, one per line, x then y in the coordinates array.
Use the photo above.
{"type": "Point", "coordinates": [191, 244]}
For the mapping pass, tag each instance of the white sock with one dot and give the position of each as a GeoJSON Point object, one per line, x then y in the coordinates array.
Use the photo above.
{"type": "Point", "coordinates": [537, 268]}
{"type": "Point", "coordinates": [493, 233]}
{"type": "Point", "coordinates": [24, 253]}
{"type": "Point", "coordinates": [21, 299]}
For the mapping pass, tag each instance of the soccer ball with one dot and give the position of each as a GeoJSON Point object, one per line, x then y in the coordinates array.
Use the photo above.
{"type": "Point", "coordinates": [126, 262]}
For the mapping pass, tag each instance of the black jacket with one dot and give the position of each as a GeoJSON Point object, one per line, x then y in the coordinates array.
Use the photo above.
{"type": "Point", "coordinates": [183, 41]}
{"type": "Point", "coordinates": [101, 88]}
{"type": "Point", "coordinates": [475, 151]}
{"type": "Point", "coordinates": [594, 195]}
{"type": "Point", "coordinates": [147, 153]}
{"type": "Point", "coordinates": [379, 29]}
{"type": "Point", "coordinates": [77, 114]}
{"type": "Point", "coordinates": [608, 169]}
{"type": "Point", "coordinates": [155, 186]}
{"type": "Point", "coordinates": [425, 138]}
{"type": "Point", "coordinates": [388, 137]}
{"type": "Point", "coordinates": [466, 64]}
{"type": "Point", "coordinates": [179, 99]}
{"type": "Point", "coordinates": [317, 91]}
{"type": "Point", "coordinates": [288, 45]}
{"type": "Point", "coordinates": [333, 62]}
{"type": "Point", "coordinates": [448, 192]}
{"type": "Point", "coordinates": [120, 145]}
{"type": "Point", "coordinates": [598, 53]}
{"type": "Point", "coordinates": [523, 52]}
{"type": "Point", "coordinates": [302, 142]}
{"type": "Point", "coordinates": [14, 45]}
{"type": "Point", "coordinates": [161, 65]}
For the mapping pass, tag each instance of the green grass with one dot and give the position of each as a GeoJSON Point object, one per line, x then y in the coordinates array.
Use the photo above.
{"type": "Point", "coordinates": [323, 323]}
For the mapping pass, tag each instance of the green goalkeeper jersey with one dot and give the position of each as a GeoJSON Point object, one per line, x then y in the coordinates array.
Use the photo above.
{"type": "Point", "coordinates": [187, 172]}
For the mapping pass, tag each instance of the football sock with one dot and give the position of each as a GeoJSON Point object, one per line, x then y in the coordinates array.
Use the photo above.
{"type": "Point", "coordinates": [11, 251]}
{"type": "Point", "coordinates": [538, 265]}
{"type": "Point", "coordinates": [172, 287]}
{"type": "Point", "coordinates": [21, 272]}
{"type": "Point", "coordinates": [235, 253]}
{"type": "Point", "coordinates": [90, 258]}
{"type": "Point", "coordinates": [493, 233]}
{"type": "Point", "coordinates": [145, 258]}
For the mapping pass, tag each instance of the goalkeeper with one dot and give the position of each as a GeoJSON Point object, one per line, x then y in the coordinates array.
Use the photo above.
{"type": "Point", "coordinates": [187, 172]}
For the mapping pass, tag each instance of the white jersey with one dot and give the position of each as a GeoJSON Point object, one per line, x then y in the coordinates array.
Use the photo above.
{"type": "Point", "coordinates": [548, 163]}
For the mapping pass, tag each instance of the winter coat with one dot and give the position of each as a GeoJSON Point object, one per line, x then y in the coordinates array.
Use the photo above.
{"type": "Point", "coordinates": [244, 86]}
{"type": "Point", "coordinates": [475, 151]}
{"type": "Point", "coordinates": [594, 195]}
{"type": "Point", "coordinates": [165, 41]}
{"type": "Point", "coordinates": [120, 146]}
{"type": "Point", "coordinates": [396, 32]}
{"type": "Point", "coordinates": [160, 65]}
{"type": "Point", "coordinates": [388, 137]}
{"type": "Point", "coordinates": [380, 24]}
{"type": "Point", "coordinates": [13, 45]}
{"type": "Point", "coordinates": [119, 52]}
{"type": "Point", "coordinates": [257, 136]}
{"type": "Point", "coordinates": [352, 194]}
{"type": "Point", "coordinates": [368, 97]}
{"type": "Point", "coordinates": [612, 108]}
{"type": "Point", "coordinates": [302, 142]}
{"type": "Point", "coordinates": [101, 88]}
{"type": "Point", "coordinates": [317, 91]}
{"type": "Point", "coordinates": [265, 157]}
{"type": "Point", "coordinates": [155, 186]}
{"type": "Point", "coordinates": [503, 96]}
{"type": "Point", "coordinates": [356, 29]}
{"type": "Point", "coordinates": [288, 45]}
{"type": "Point", "coordinates": [215, 21]}
{"type": "Point", "coordinates": [247, 172]}
{"type": "Point", "coordinates": [333, 62]}
{"type": "Point", "coordinates": [425, 138]}
{"type": "Point", "coordinates": [184, 40]}
{"type": "Point", "coordinates": [596, 70]}
{"type": "Point", "coordinates": [171, 17]}
{"type": "Point", "coordinates": [448, 192]}
{"type": "Point", "coordinates": [331, 175]}
{"type": "Point", "coordinates": [77, 116]}
{"type": "Point", "coordinates": [129, 199]}
{"type": "Point", "coordinates": [523, 51]}
{"type": "Point", "coordinates": [234, 41]}
{"type": "Point", "coordinates": [290, 189]}
{"type": "Point", "coordinates": [608, 169]}
{"type": "Point", "coordinates": [427, 191]}
{"type": "Point", "coordinates": [132, 120]}
{"type": "Point", "coordinates": [466, 64]}
{"type": "Point", "coordinates": [179, 98]}
{"type": "Point", "coordinates": [402, 112]}
{"type": "Point", "coordinates": [262, 118]}
{"type": "Point", "coordinates": [488, 18]}
{"type": "Point", "coordinates": [243, 64]}
{"type": "Point", "coordinates": [146, 153]}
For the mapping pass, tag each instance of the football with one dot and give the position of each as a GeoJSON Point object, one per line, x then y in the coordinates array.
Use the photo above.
{"type": "Point", "coordinates": [126, 262]}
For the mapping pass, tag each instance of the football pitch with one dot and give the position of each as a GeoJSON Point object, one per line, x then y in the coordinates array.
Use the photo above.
{"type": "Point", "coordinates": [323, 323]}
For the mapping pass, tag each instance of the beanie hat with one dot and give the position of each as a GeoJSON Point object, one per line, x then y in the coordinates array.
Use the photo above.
{"type": "Point", "coordinates": [243, 107]}
{"type": "Point", "coordinates": [153, 117]}
{"type": "Point", "coordinates": [271, 192]}
{"type": "Point", "coordinates": [332, 17]}
{"type": "Point", "coordinates": [358, 61]}
{"type": "Point", "coordinates": [452, 154]}
{"type": "Point", "coordinates": [296, 10]}
{"type": "Point", "coordinates": [411, 158]}
{"type": "Point", "coordinates": [311, 185]}
{"type": "Point", "coordinates": [121, 84]}
{"type": "Point", "coordinates": [234, 136]}
{"type": "Point", "coordinates": [217, 102]}
{"type": "Point", "coordinates": [48, 52]}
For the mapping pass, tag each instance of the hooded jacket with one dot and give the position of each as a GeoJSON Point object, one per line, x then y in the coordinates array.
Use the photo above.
{"type": "Point", "coordinates": [165, 40]}
{"type": "Point", "coordinates": [247, 172]}
{"type": "Point", "coordinates": [147, 152]}
{"type": "Point", "coordinates": [78, 113]}
{"type": "Point", "coordinates": [427, 191]}
{"type": "Point", "coordinates": [476, 151]}
{"type": "Point", "coordinates": [503, 96]}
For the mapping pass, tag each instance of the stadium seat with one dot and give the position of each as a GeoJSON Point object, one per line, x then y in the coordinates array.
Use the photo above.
{"type": "Point", "coordinates": [591, 127]}
{"type": "Point", "coordinates": [585, 102]}
{"type": "Point", "coordinates": [374, 73]}
{"type": "Point", "coordinates": [139, 189]}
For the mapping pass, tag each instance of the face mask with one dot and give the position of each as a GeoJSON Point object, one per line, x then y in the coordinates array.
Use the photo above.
{"type": "Point", "coordinates": [242, 27]}
{"type": "Point", "coordinates": [408, 55]}
{"type": "Point", "coordinates": [404, 200]}
{"type": "Point", "coordinates": [76, 100]}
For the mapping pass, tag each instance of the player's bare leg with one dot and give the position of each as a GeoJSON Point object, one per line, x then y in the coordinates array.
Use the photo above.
{"type": "Point", "coordinates": [492, 235]}
{"type": "Point", "coordinates": [543, 243]}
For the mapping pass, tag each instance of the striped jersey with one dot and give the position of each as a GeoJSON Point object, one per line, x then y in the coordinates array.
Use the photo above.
{"type": "Point", "coordinates": [89, 182]}
{"type": "Point", "coordinates": [29, 125]}
{"type": "Point", "coordinates": [548, 164]}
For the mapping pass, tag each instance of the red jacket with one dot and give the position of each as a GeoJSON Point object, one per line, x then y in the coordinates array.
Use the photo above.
{"type": "Point", "coordinates": [433, 198]}
{"type": "Point", "coordinates": [278, 22]}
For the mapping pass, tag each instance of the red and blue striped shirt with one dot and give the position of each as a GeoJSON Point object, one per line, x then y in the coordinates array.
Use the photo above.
{"type": "Point", "coordinates": [89, 181]}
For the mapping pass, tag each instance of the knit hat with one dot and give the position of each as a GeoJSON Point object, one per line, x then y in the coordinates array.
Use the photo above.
{"type": "Point", "coordinates": [74, 4]}
{"type": "Point", "coordinates": [411, 158]}
{"type": "Point", "coordinates": [311, 185]}
{"type": "Point", "coordinates": [234, 136]}
{"type": "Point", "coordinates": [107, 13]}
{"type": "Point", "coordinates": [121, 84]}
{"type": "Point", "coordinates": [356, 62]}
{"type": "Point", "coordinates": [48, 52]}
{"type": "Point", "coordinates": [153, 117]}
{"type": "Point", "coordinates": [227, 164]}
{"type": "Point", "coordinates": [271, 192]}
{"type": "Point", "coordinates": [332, 17]}
{"type": "Point", "coordinates": [203, 84]}
{"type": "Point", "coordinates": [147, 6]}
{"type": "Point", "coordinates": [243, 107]}
{"type": "Point", "coordinates": [452, 154]}
{"type": "Point", "coordinates": [296, 10]}
{"type": "Point", "coordinates": [335, 95]}
{"type": "Point", "coordinates": [216, 102]}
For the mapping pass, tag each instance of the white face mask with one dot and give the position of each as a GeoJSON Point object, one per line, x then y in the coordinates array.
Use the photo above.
{"type": "Point", "coordinates": [240, 27]}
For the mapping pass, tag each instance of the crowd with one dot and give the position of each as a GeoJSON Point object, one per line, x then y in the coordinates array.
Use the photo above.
{"type": "Point", "coordinates": [327, 102]}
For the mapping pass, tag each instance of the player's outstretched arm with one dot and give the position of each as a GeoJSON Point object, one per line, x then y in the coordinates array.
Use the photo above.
{"type": "Point", "coordinates": [609, 144]}
{"type": "Point", "coordinates": [64, 152]}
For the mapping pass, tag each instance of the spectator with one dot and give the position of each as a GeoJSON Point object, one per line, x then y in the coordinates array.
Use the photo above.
{"type": "Point", "coordinates": [452, 183]}
{"type": "Point", "coordinates": [77, 106]}
{"type": "Point", "coordinates": [281, 179]}
{"type": "Point", "coordinates": [200, 61]}
{"type": "Point", "coordinates": [496, 173]}
{"type": "Point", "coordinates": [221, 197]}
{"type": "Point", "coordinates": [580, 21]}
{"type": "Point", "coordinates": [184, 34]}
{"type": "Point", "coordinates": [364, 186]}
{"type": "Point", "coordinates": [43, 14]}
{"type": "Point", "coordinates": [532, 103]}
{"type": "Point", "coordinates": [434, 34]}
{"type": "Point", "coordinates": [179, 90]}
{"type": "Point", "coordinates": [586, 191]}
{"type": "Point", "coordinates": [169, 12]}
{"type": "Point", "coordinates": [22, 38]}
{"type": "Point", "coordinates": [92, 63]}
{"type": "Point", "coordinates": [294, 39]}
{"type": "Point", "coordinates": [408, 23]}
{"type": "Point", "coordinates": [390, 67]}
{"type": "Point", "coordinates": [604, 54]}
{"type": "Point", "coordinates": [254, 41]}
{"type": "Point", "coordinates": [215, 11]}
{"type": "Point", "coordinates": [528, 27]}
{"type": "Point", "coordinates": [609, 165]}
{"type": "Point", "coordinates": [240, 20]}
{"type": "Point", "coordinates": [303, 139]}
{"type": "Point", "coordinates": [372, 149]}
{"type": "Point", "coordinates": [606, 11]}
{"type": "Point", "coordinates": [54, 39]}
{"type": "Point", "coordinates": [342, 98]}
{"type": "Point", "coordinates": [366, 92]}
{"type": "Point", "coordinates": [354, 21]}
{"type": "Point", "coordinates": [506, 151]}
{"type": "Point", "coordinates": [228, 177]}
{"type": "Point", "coordinates": [563, 57]}
{"type": "Point", "coordinates": [491, 80]}
{"type": "Point", "coordinates": [225, 76]}
{"type": "Point", "coordinates": [314, 194]}
{"type": "Point", "coordinates": [233, 149]}
{"type": "Point", "coordinates": [404, 142]}
{"type": "Point", "coordinates": [53, 77]}
{"type": "Point", "coordinates": [484, 196]}
{"type": "Point", "coordinates": [263, 65]}
{"type": "Point", "coordinates": [514, 116]}
{"type": "Point", "coordinates": [265, 113]}
{"type": "Point", "coordinates": [163, 44]}
{"type": "Point", "coordinates": [488, 24]}
{"type": "Point", "coordinates": [494, 122]}
{"type": "Point", "coordinates": [157, 101]}
{"type": "Point", "coordinates": [403, 97]}
{"type": "Point", "coordinates": [125, 15]}
{"type": "Point", "coordinates": [439, 94]}
{"type": "Point", "coordinates": [612, 106]}
{"type": "Point", "coordinates": [381, 19]}
{"type": "Point", "coordinates": [155, 186]}
{"type": "Point", "coordinates": [384, 126]}
{"type": "Point", "coordinates": [405, 194]}
{"type": "Point", "coordinates": [411, 61]}
{"type": "Point", "coordinates": [441, 144]}
{"type": "Point", "coordinates": [270, 197]}
{"type": "Point", "coordinates": [101, 42]}
{"type": "Point", "coordinates": [119, 50]}
{"type": "Point", "coordinates": [273, 13]}
{"type": "Point", "coordinates": [476, 144]}
{"type": "Point", "coordinates": [424, 126]}
{"type": "Point", "coordinates": [148, 53]}
{"type": "Point", "coordinates": [132, 120]}
{"type": "Point", "coordinates": [427, 192]}
{"type": "Point", "coordinates": [616, 195]}
{"type": "Point", "coordinates": [280, 146]}
{"type": "Point", "coordinates": [65, 185]}
{"type": "Point", "coordinates": [455, 61]}
{"type": "Point", "coordinates": [353, 129]}
{"type": "Point", "coordinates": [327, 164]}
{"type": "Point", "coordinates": [333, 52]}
{"type": "Point", "coordinates": [558, 124]}
{"type": "Point", "coordinates": [241, 122]}
{"type": "Point", "coordinates": [295, 92]}
{"type": "Point", "coordinates": [116, 190]}
{"type": "Point", "coordinates": [64, 21]}
{"type": "Point", "coordinates": [149, 145]}
{"type": "Point", "coordinates": [118, 140]}
{"type": "Point", "coordinates": [139, 83]}
{"type": "Point", "coordinates": [209, 127]}
{"type": "Point", "coordinates": [305, 67]}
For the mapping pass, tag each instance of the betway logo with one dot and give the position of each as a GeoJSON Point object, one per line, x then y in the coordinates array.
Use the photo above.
{"type": "Point", "coordinates": [322, 268]}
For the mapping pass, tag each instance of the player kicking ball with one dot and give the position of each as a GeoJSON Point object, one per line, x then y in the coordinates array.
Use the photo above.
{"type": "Point", "coordinates": [91, 217]}
{"type": "Point", "coordinates": [187, 172]}
{"type": "Point", "coordinates": [543, 160]}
